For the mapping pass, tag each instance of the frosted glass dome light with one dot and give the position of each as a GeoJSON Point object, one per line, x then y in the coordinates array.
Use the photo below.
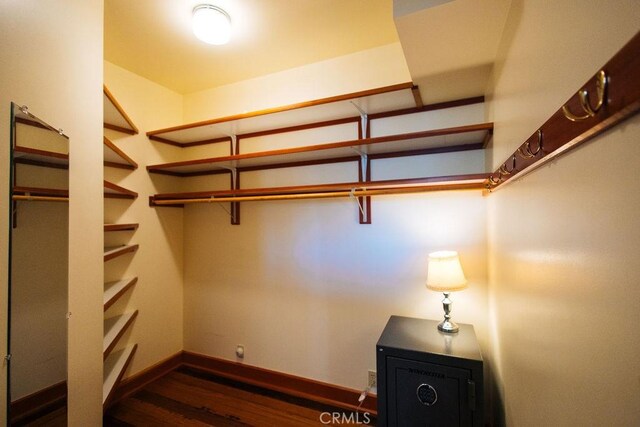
{"type": "Point", "coordinates": [211, 24]}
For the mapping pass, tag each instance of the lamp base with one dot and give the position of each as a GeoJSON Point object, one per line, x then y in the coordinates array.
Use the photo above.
{"type": "Point", "coordinates": [448, 327]}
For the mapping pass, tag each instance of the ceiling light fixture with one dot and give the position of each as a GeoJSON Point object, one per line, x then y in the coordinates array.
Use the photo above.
{"type": "Point", "coordinates": [211, 24]}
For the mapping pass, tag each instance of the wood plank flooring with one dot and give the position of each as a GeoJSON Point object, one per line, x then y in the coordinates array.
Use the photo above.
{"type": "Point", "coordinates": [190, 397]}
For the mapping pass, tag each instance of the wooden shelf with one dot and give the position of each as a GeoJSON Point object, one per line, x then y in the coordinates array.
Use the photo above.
{"type": "Point", "coordinates": [114, 191]}
{"type": "Point", "coordinates": [114, 290]}
{"type": "Point", "coordinates": [350, 189]}
{"type": "Point", "coordinates": [114, 252]}
{"type": "Point", "coordinates": [342, 108]}
{"type": "Point", "coordinates": [471, 137]}
{"type": "Point", "coordinates": [359, 108]}
{"type": "Point", "coordinates": [114, 116]}
{"type": "Point", "coordinates": [114, 368]}
{"type": "Point", "coordinates": [120, 227]}
{"type": "Point", "coordinates": [36, 157]}
{"type": "Point", "coordinates": [116, 158]}
{"type": "Point", "coordinates": [114, 328]}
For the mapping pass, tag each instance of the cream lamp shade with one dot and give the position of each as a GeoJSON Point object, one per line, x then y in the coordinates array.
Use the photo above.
{"type": "Point", "coordinates": [444, 272]}
{"type": "Point", "coordinates": [445, 275]}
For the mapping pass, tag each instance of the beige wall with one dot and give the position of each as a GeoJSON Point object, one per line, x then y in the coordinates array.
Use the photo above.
{"type": "Point", "coordinates": [52, 61]}
{"type": "Point", "coordinates": [564, 241]}
{"type": "Point", "coordinates": [337, 76]}
{"type": "Point", "coordinates": [158, 262]}
{"type": "Point", "coordinates": [304, 287]}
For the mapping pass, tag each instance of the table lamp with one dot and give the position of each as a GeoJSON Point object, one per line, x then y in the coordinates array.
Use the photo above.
{"type": "Point", "coordinates": [445, 275]}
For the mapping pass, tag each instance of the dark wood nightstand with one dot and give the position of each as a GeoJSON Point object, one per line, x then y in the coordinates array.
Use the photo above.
{"type": "Point", "coordinates": [427, 377]}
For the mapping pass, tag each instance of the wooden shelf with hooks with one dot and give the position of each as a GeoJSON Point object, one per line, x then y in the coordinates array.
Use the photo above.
{"type": "Point", "coordinates": [609, 97]}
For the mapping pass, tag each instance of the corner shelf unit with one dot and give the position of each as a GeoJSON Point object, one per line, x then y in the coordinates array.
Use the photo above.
{"type": "Point", "coordinates": [359, 108]}
{"type": "Point", "coordinates": [117, 324]}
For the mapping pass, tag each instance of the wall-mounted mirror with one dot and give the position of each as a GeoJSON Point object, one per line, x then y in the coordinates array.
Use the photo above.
{"type": "Point", "coordinates": [38, 272]}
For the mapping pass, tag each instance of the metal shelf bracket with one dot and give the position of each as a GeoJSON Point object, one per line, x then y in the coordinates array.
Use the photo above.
{"type": "Point", "coordinates": [364, 118]}
{"type": "Point", "coordinates": [234, 213]}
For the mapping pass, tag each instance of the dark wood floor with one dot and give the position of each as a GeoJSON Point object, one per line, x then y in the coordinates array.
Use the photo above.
{"type": "Point", "coordinates": [190, 397]}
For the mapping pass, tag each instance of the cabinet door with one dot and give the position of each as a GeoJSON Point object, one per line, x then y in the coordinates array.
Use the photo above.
{"type": "Point", "coordinates": [426, 394]}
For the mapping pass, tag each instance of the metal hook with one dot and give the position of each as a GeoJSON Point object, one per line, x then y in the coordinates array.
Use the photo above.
{"type": "Point", "coordinates": [503, 169]}
{"type": "Point", "coordinates": [601, 90]}
{"type": "Point", "coordinates": [525, 151]}
{"type": "Point", "coordinates": [352, 195]}
{"type": "Point", "coordinates": [539, 144]}
{"type": "Point", "coordinates": [494, 182]}
{"type": "Point", "coordinates": [212, 199]}
{"type": "Point", "coordinates": [523, 154]}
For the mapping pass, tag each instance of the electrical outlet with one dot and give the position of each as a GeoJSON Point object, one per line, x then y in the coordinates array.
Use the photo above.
{"type": "Point", "coordinates": [373, 379]}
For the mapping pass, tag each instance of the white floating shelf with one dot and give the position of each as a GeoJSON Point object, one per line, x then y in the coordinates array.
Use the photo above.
{"type": "Point", "coordinates": [114, 290]}
{"type": "Point", "coordinates": [114, 328]}
{"type": "Point", "coordinates": [114, 252]}
{"type": "Point", "coordinates": [114, 367]}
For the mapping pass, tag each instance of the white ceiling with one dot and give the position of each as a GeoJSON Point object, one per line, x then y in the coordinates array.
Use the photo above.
{"type": "Point", "coordinates": [449, 46]}
{"type": "Point", "coordinates": [153, 38]}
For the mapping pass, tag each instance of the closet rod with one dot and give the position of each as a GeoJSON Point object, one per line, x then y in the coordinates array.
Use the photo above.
{"type": "Point", "coordinates": [335, 194]}
{"type": "Point", "coordinates": [40, 198]}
